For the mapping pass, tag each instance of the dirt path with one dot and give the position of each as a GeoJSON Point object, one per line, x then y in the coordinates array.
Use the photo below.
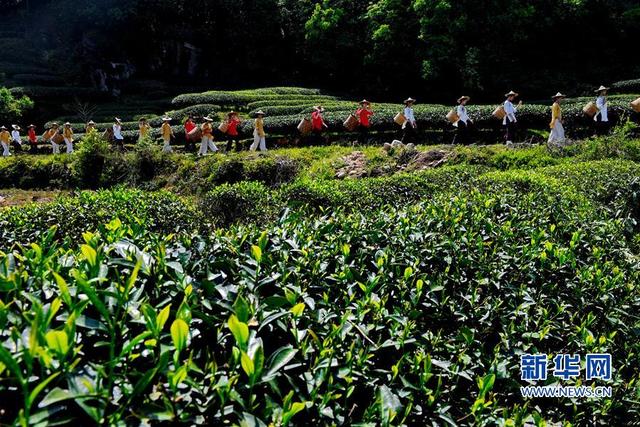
{"type": "Point", "coordinates": [14, 197]}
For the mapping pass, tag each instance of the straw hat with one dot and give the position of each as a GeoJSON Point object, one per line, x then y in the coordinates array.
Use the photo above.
{"type": "Point", "coordinates": [15, 127]}
{"type": "Point", "coordinates": [67, 124]}
{"type": "Point", "coordinates": [511, 93]}
{"type": "Point", "coordinates": [142, 119]}
{"type": "Point", "coordinates": [207, 119]}
{"type": "Point", "coordinates": [601, 88]}
{"type": "Point", "coordinates": [231, 113]}
{"type": "Point", "coordinates": [319, 108]}
{"type": "Point", "coordinates": [91, 123]}
{"type": "Point", "coordinates": [3, 127]}
{"type": "Point", "coordinates": [54, 125]}
{"type": "Point", "coordinates": [166, 119]}
{"type": "Point", "coordinates": [408, 100]}
{"type": "Point", "coordinates": [118, 120]}
{"type": "Point", "coordinates": [558, 95]}
{"type": "Point", "coordinates": [31, 127]}
{"type": "Point", "coordinates": [259, 113]}
{"type": "Point", "coordinates": [364, 101]}
{"type": "Point", "coordinates": [462, 98]}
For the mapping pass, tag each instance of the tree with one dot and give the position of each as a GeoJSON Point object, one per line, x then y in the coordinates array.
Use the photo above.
{"type": "Point", "coordinates": [12, 108]}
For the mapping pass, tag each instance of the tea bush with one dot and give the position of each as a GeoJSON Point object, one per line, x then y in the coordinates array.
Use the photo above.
{"type": "Point", "coordinates": [410, 316]}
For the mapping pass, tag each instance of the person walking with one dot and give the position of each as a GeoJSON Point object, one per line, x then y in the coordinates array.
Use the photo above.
{"type": "Point", "coordinates": [463, 124]}
{"type": "Point", "coordinates": [143, 129]}
{"type": "Point", "coordinates": [233, 121]}
{"type": "Point", "coordinates": [16, 139]}
{"type": "Point", "coordinates": [33, 139]}
{"type": "Point", "coordinates": [167, 134]}
{"type": "Point", "coordinates": [67, 133]}
{"type": "Point", "coordinates": [509, 121]}
{"type": "Point", "coordinates": [91, 125]}
{"type": "Point", "coordinates": [364, 114]}
{"type": "Point", "coordinates": [259, 137]}
{"type": "Point", "coordinates": [409, 127]}
{"type": "Point", "coordinates": [318, 125]}
{"type": "Point", "coordinates": [189, 125]}
{"type": "Point", "coordinates": [5, 140]}
{"type": "Point", "coordinates": [53, 133]}
{"type": "Point", "coordinates": [118, 139]}
{"type": "Point", "coordinates": [557, 130]}
{"type": "Point", "coordinates": [207, 137]}
{"type": "Point", "coordinates": [601, 118]}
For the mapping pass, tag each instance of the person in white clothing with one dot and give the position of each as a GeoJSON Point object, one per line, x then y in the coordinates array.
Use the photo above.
{"type": "Point", "coordinates": [118, 139]}
{"type": "Point", "coordinates": [259, 137]}
{"type": "Point", "coordinates": [557, 130]}
{"type": "Point", "coordinates": [53, 133]}
{"type": "Point", "coordinates": [409, 127]}
{"type": "Point", "coordinates": [16, 140]}
{"type": "Point", "coordinates": [463, 125]}
{"type": "Point", "coordinates": [67, 134]}
{"type": "Point", "coordinates": [601, 118]}
{"type": "Point", "coordinates": [207, 137]}
{"type": "Point", "coordinates": [510, 121]}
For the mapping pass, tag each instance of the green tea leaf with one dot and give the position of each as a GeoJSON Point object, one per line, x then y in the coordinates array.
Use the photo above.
{"type": "Point", "coordinates": [58, 341]}
{"type": "Point", "coordinates": [298, 309]}
{"type": "Point", "coordinates": [179, 334]}
{"type": "Point", "coordinates": [239, 330]}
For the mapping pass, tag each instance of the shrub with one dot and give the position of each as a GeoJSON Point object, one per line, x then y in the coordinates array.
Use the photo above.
{"type": "Point", "coordinates": [89, 160]}
{"type": "Point", "coordinates": [246, 201]}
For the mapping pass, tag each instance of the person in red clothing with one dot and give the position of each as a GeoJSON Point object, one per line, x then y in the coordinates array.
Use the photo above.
{"type": "Point", "coordinates": [318, 125]}
{"type": "Point", "coordinates": [363, 114]}
{"type": "Point", "coordinates": [33, 139]}
{"type": "Point", "coordinates": [233, 121]}
{"type": "Point", "coordinates": [190, 144]}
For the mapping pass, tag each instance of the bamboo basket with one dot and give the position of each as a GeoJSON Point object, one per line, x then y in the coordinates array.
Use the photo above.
{"type": "Point", "coordinates": [195, 134]}
{"type": "Point", "coordinates": [590, 109]}
{"type": "Point", "coordinates": [499, 113]}
{"type": "Point", "coordinates": [224, 127]}
{"type": "Point", "coordinates": [304, 126]}
{"type": "Point", "coordinates": [452, 116]}
{"type": "Point", "coordinates": [58, 138]}
{"type": "Point", "coordinates": [636, 105]}
{"type": "Point", "coordinates": [351, 123]}
{"type": "Point", "coordinates": [400, 119]}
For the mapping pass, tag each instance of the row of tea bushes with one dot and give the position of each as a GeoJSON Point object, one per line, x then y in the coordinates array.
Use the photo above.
{"type": "Point", "coordinates": [410, 316]}
{"type": "Point", "coordinates": [242, 97]}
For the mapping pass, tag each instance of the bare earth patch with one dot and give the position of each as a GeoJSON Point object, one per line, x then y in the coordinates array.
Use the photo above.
{"type": "Point", "coordinates": [15, 197]}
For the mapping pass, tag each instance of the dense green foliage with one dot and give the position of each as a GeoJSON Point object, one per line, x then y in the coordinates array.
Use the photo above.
{"type": "Point", "coordinates": [12, 107]}
{"type": "Point", "coordinates": [411, 314]}
{"type": "Point", "coordinates": [382, 47]}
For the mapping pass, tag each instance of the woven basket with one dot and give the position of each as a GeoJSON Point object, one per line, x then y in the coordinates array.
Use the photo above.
{"type": "Point", "coordinates": [590, 109]}
{"type": "Point", "coordinates": [224, 127]}
{"type": "Point", "coordinates": [58, 138]}
{"type": "Point", "coordinates": [195, 134]}
{"type": "Point", "coordinates": [452, 116]}
{"type": "Point", "coordinates": [400, 119]}
{"type": "Point", "coordinates": [636, 105]}
{"type": "Point", "coordinates": [304, 127]}
{"type": "Point", "coordinates": [351, 123]}
{"type": "Point", "coordinates": [499, 113]}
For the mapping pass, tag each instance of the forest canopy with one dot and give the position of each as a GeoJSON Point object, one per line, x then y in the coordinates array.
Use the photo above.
{"type": "Point", "coordinates": [382, 47]}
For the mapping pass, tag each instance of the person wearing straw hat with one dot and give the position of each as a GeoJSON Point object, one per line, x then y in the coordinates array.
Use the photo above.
{"type": "Point", "coordinates": [207, 137]}
{"type": "Point", "coordinates": [33, 139]}
{"type": "Point", "coordinates": [409, 127]}
{"type": "Point", "coordinates": [233, 121]}
{"type": "Point", "coordinates": [167, 134]}
{"type": "Point", "coordinates": [5, 140]}
{"type": "Point", "coordinates": [91, 125]}
{"type": "Point", "coordinates": [118, 139]}
{"type": "Point", "coordinates": [510, 121]}
{"type": "Point", "coordinates": [189, 143]}
{"type": "Point", "coordinates": [364, 114]}
{"type": "Point", "coordinates": [557, 130]}
{"type": "Point", "coordinates": [51, 137]}
{"type": "Point", "coordinates": [67, 134]}
{"type": "Point", "coordinates": [143, 129]}
{"type": "Point", "coordinates": [601, 118]}
{"type": "Point", "coordinates": [16, 139]}
{"type": "Point", "coordinates": [318, 125]}
{"type": "Point", "coordinates": [259, 137]}
{"type": "Point", "coordinates": [463, 124]}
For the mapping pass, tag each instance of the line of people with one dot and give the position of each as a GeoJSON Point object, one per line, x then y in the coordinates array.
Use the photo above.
{"type": "Point", "coordinates": [360, 122]}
